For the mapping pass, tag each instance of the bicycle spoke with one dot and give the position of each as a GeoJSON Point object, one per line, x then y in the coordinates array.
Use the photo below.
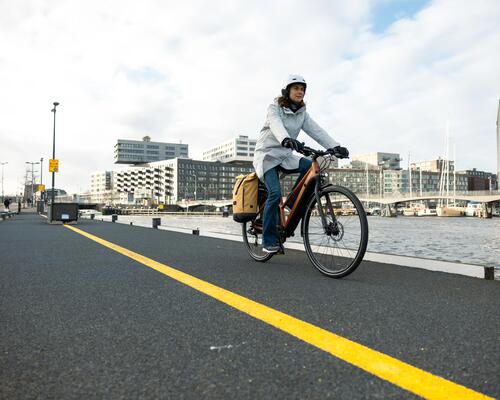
{"type": "Point", "coordinates": [334, 248]}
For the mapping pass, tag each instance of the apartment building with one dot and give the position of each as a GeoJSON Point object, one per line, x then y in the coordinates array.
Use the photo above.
{"type": "Point", "coordinates": [480, 180]}
{"type": "Point", "coordinates": [376, 160]}
{"type": "Point", "coordinates": [145, 151]}
{"type": "Point", "coordinates": [239, 149]}
{"type": "Point", "coordinates": [138, 184]}
{"type": "Point", "coordinates": [205, 180]}
{"type": "Point", "coordinates": [167, 181]}
{"type": "Point", "coordinates": [433, 165]}
{"type": "Point", "coordinates": [101, 187]}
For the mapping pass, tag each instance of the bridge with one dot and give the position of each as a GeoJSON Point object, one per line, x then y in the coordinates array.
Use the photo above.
{"type": "Point", "coordinates": [475, 196]}
{"type": "Point", "coordinates": [392, 198]}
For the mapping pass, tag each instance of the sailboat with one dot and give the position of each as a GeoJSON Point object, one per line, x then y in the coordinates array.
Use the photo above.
{"type": "Point", "coordinates": [448, 209]}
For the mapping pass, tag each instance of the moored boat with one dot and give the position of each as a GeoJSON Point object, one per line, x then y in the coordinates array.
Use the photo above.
{"type": "Point", "coordinates": [450, 211]}
{"type": "Point", "coordinates": [472, 209]}
{"type": "Point", "coordinates": [427, 212]}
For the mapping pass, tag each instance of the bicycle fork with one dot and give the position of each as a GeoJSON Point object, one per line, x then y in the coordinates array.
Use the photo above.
{"type": "Point", "coordinates": [329, 228]}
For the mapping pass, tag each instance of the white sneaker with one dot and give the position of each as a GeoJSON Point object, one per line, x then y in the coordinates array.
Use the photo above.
{"type": "Point", "coordinates": [271, 249]}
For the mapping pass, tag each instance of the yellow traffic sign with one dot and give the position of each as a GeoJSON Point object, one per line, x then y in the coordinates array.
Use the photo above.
{"type": "Point", "coordinates": [41, 188]}
{"type": "Point", "coordinates": [53, 165]}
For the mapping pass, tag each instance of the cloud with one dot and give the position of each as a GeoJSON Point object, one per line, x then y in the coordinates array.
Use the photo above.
{"type": "Point", "coordinates": [203, 72]}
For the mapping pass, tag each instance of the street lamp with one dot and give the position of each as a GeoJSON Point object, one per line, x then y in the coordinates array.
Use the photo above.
{"type": "Point", "coordinates": [2, 164]}
{"type": "Point", "coordinates": [53, 157]}
{"type": "Point", "coordinates": [32, 179]}
{"type": "Point", "coordinates": [41, 178]}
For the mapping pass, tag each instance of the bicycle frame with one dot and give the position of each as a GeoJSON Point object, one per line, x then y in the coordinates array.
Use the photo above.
{"type": "Point", "coordinates": [310, 183]}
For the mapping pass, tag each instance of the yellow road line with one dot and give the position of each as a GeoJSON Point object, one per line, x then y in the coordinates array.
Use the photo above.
{"type": "Point", "coordinates": [399, 373]}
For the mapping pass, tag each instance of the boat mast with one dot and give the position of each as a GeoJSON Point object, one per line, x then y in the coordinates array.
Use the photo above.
{"type": "Point", "coordinates": [409, 170]}
{"type": "Point", "coordinates": [447, 162]}
{"type": "Point", "coordinates": [454, 173]}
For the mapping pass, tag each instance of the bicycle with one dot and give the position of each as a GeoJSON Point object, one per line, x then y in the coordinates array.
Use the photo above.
{"type": "Point", "coordinates": [334, 225]}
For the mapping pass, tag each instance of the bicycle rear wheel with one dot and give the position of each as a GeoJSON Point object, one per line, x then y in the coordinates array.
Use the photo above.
{"type": "Point", "coordinates": [337, 249]}
{"type": "Point", "coordinates": [252, 238]}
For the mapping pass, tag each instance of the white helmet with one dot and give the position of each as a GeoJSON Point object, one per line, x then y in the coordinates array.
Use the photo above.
{"type": "Point", "coordinates": [291, 80]}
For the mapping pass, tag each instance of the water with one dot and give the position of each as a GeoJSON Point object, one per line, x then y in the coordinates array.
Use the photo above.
{"type": "Point", "coordinates": [461, 239]}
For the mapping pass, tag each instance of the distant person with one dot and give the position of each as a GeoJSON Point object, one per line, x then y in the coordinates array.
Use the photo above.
{"type": "Point", "coordinates": [19, 206]}
{"type": "Point", "coordinates": [6, 204]}
{"type": "Point", "coordinates": [286, 117]}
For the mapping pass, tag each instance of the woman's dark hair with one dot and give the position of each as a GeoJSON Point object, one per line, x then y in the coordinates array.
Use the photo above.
{"type": "Point", "coordinates": [286, 102]}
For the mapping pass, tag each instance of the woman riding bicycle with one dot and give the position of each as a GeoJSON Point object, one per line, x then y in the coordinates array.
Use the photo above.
{"type": "Point", "coordinates": [286, 117]}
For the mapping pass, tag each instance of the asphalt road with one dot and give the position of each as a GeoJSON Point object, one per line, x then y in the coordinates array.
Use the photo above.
{"type": "Point", "coordinates": [80, 321]}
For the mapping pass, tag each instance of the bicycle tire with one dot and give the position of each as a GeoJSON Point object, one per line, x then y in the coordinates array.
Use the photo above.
{"type": "Point", "coordinates": [336, 250]}
{"type": "Point", "coordinates": [253, 243]}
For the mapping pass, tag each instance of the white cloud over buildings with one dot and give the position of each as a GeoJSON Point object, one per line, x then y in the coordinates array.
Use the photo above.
{"type": "Point", "coordinates": [203, 72]}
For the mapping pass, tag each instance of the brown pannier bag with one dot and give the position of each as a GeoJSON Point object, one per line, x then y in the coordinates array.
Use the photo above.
{"type": "Point", "coordinates": [245, 197]}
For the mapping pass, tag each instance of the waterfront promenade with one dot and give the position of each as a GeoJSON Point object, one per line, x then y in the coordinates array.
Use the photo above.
{"type": "Point", "coordinates": [114, 311]}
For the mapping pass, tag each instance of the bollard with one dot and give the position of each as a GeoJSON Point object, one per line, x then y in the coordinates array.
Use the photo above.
{"type": "Point", "coordinates": [114, 217]}
{"type": "Point", "coordinates": [156, 222]}
{"type": "Point", "coordinates": [92, 216]}
{"type": "Point", "coordinates": [196, 231]}
{"type": "Point", "coordinates": [489, 273]}
{"type": "Point", "coordinates": [131, 223]}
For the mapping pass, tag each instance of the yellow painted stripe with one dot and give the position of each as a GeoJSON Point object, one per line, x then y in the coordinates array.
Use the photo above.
{"type": "Point", "coordinates": [399, 373]}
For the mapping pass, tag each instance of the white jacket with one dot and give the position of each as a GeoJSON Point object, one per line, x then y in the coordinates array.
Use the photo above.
{"type": "Point", "coordinates": [281, 123]}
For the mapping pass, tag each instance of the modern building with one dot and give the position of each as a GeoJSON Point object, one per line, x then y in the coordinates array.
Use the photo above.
{"type": "Point", "coordinates": [378, 183]}
{"type": "Point", "coordinates": [101, 187]}
{"type": "Point", "coordinates": [143, 184]}
{"type": "Point", "coordinates": [168, 181]}
{"type": "Point", "coordinates": [376, 160]}
{"type": "Point", "coordinates": [480, 180]}
{"type": "Point", "coordinates": [205, 180]}
{"type": "Point", "coordinates": [238, 149]}
{"type": "Point", "coordinates": [433, 165]}
{"type": "Point", "coordinates": [145, 151]}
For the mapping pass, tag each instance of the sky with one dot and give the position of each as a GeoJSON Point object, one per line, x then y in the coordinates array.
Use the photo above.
{"type": "Point", "coordinates": [383, 75]}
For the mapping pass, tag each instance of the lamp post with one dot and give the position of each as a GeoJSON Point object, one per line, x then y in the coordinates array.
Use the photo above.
{"type": "Point", "coordinates": [32, 180]}
{"type": "Point", "coordinates": [2, 164]}
{"type": "Point", "coordinates": [52, 195]}
{"type": "Point", "coordinates": [41, 178]}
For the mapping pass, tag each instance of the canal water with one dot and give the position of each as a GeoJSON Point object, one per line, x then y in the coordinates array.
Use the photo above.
{"type": "Point", "coordinates": [466, 240]}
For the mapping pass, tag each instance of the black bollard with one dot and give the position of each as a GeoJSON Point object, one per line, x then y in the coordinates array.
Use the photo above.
{"type": "Point", "coordinates": [196, 231]}
{"type": "Point", "coordinates": [156, 222]}
{"type": "Point", "coordinates": [114, 217]}
{"type": "Point", "coordinates": [489, 273]}
{"type": "Point", "coordinates": [92, 216]}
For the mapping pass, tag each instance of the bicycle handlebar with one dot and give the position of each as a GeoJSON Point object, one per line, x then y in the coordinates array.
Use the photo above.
{"type": "Point", "coordinates": [307, 151]}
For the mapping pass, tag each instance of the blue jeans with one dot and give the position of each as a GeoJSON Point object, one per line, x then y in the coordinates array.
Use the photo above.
{"type": "Point", "coordinates": [270, 216]}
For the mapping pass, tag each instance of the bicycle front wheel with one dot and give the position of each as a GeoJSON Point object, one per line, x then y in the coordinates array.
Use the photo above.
{"type": "Point", "coordinates": [337, 247]}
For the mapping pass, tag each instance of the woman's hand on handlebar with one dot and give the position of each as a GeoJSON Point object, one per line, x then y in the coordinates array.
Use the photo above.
{"type": "Point", "coordinates": [293, 144]}
{"type": "Point", "coordinates": [339, 152]}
